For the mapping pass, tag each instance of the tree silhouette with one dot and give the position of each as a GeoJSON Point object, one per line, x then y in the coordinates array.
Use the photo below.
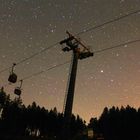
{"type": "Point", "coordinates": [117, 124]}
{"type": "Point", "coordinates": [33, 122]}
{"type": "Point", "coordinates": [18, 121]}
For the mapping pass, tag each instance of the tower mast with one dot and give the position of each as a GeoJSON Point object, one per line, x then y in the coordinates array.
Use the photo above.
{"type": "Point", "coordinates": [80, 51]}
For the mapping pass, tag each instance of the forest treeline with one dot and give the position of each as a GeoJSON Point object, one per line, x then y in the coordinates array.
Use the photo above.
{"type": "Point", "coordinates": [117, 124]}
{"type": "Point", "coordinates": [32, 122]}
{"type": "Point", "coordinates": [18, 121]}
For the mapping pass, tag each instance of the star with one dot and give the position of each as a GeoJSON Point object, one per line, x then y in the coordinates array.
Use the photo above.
{"type": "Point", "coordinates": [28, 27]}
{"type": "Point", "coordinates": [102, 71]}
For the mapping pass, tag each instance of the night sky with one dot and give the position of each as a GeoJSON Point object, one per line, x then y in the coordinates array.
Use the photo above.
{"type": "Point", "coordinates": [109, 78]}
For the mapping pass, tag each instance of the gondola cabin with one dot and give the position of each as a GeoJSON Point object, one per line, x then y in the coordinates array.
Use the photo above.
{"type": "Point", "coordinates": [12, 78]}
{"type": "Point", "coordinates": [17, 91]}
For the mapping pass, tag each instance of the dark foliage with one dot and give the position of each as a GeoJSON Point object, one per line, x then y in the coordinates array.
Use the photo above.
{"type": "Point", "coordinates": [117, 124]}
{"type": "Point", "coordinates": [19, 122]}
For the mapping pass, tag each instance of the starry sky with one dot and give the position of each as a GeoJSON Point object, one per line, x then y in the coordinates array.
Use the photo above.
{"type": "Point", "coordinates": [109, 78]}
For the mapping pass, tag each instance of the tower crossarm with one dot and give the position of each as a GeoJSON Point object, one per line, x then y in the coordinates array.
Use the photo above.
{"type": "Point", "coordinates": [78, 41]}
{"type": "Point", "coordinates": [72, 43]}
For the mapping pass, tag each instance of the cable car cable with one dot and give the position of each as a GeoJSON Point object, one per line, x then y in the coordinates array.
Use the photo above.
{"type": "Point", "coordinates": [117, 46]}
{"type": "Point", "coordinates": [30, 57]}
{"type": "Point", "coordinates": [108, 22]}
{"type": "Point", "coordinates": [38, 73]}
{"type": "Point", "coordinates": [82, 32]}
{"type": "Point", "coordinates": [98, 51]}
{"type": "Point", "coordinates": [37, 53]}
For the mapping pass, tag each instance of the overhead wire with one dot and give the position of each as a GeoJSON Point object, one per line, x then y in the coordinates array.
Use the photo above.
{"type": "Point", "coordinates": [82, 32]}
{"type": "Point", "coordinates": [38, 73]}
{"type": "Point", "coordinates": [108, 22]}
{"type": "Point", "coordinates": [5, 69]}
{"type": "Point", "coordinates": [31, 56]}
{"type": "Point", "coordinates": [43, 71]}
{"type": "Point", "coordinates": [97, 51]}
{"type": "Point", "coordinates": [117, 46]}
{"type": "Point", "coordinates": [37, 53]}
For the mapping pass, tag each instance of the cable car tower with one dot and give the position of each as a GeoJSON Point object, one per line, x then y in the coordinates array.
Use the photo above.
{"type": "Point", "coordinates": [80, 51]}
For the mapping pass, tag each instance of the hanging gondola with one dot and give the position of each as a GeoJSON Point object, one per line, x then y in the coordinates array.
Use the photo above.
{"type": "Point", "coordinates": [12, 77]}
{"type": "Point", "coordinates": [18, 90]}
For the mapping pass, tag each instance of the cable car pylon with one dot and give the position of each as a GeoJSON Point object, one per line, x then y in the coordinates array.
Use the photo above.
{"type": "Point", "coordinates": [80, 51]}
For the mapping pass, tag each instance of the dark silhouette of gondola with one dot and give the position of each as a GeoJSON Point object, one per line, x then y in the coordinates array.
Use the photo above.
{"type": "Point", "coordinates": [18, 90]}
{"type": "Point", "coordinates": [12, 77]}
